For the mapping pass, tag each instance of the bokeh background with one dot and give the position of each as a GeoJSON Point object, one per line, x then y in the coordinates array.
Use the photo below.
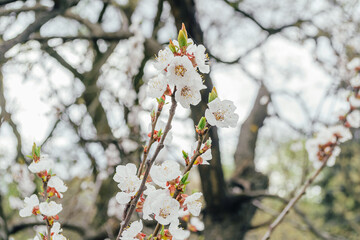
{"type": "Point", "coordinates": [73, 80]}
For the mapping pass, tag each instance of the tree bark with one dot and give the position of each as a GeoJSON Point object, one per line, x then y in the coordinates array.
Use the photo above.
{"type": "Point", "coordinates": [225, 216]}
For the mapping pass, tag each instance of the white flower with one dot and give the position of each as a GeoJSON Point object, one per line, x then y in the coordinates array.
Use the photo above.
{"type": "Point", "coordinates": [221, 113]}
{"type": "Point", "coordinates": [50, 209]}
{"type": "Point", "coordinates": [30, 203]}
{"type": "Point", "coordinates": [355, 82]}
{"type": "Point", "coordinates": [354, 119]}
{"type": "Point", "coordinates": [355, 102]}
{"type": "Point", "coordinates": [163, 59]}
{"type": "Point", "coordinates": [129, 183]}
{"type": "Point", "coordinates": [56, 228]}
{"type": "Point", "coordinates": [176, 232]}
{"type": "Point", "coordinates": [115, 209]}
{"type": "Point", "coordinates": [181, 71]}
{"type": "Point", "coordinates": [45, 164]}
{"type": "Point", "coordinates": [343, 133]}
{"type": "Point", "coordinates": [133, 230]}
{"type": "Point", "coordinates": [319, 147]}
{"type": "Point", "coordinates": [36, 238]}
{"type": "Point", "coordinates": [162, 205]}
{"type": "Point", "coordinates": [58, 184]}
{"type": "Point", "coordinates": [193, 203]}
{"type": "Point", "coordinates": [200, 57]}
{"type": "Point", "coordinates": [187, 94]}
{"type": "Point", "coordinates": [197, 223]}
{"type": "Point", "coordinates": [167, 171]}
{"type": "Point", "coordinates": [157, 86]}
{"type": "Point", "coordinates": [166, 209]}
{"type": "Point", "coordinates": [55, 231]}
{"type": "Point", "coordinates": [205, 157]}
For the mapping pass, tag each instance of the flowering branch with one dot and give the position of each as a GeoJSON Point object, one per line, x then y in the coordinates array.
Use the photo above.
{"type": "Point", "coordinates": [179, 66]}
{"type": "Point", "coordinates": [149, 163]}
{"type": "Point", "coordinates": [295, 199]}
{"type": "Point", "coordinates": [324, 148]}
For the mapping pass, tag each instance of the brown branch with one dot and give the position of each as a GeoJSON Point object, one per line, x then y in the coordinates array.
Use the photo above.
{"type": "Point", "coordinates": [37, 7]}
{"type": "Point", "coordinates": [269, 30]}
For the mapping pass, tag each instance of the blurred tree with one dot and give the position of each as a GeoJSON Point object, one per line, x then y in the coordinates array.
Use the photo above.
{"type": "Point", "coordinates": [104, 47]}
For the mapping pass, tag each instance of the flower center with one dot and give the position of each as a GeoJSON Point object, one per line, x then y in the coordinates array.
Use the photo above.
{"type": "Point", "coordinates": [180, 70]}
{"type": "Point", "coordinates": [164, 213]}
{"type": "Point", "coordinates": [185, 91]}
{"type": "Point", "coordinates": [219, 115]}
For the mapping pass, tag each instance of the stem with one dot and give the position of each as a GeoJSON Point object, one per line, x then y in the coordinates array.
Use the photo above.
{"type": "Point", "coordinates": [151, 141]}
{"type": "Point", "coordinates": [148, 164]}
{"type": "Point", "coordinates": [45, 199]}
{"type": "Point", "coordinates": [296, 198]}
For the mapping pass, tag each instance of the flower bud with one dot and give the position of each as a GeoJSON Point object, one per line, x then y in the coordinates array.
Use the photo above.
{"type": "Point", "coordinates": [172, 46]}
{"type": "Point", "coordinates": [213, 95]}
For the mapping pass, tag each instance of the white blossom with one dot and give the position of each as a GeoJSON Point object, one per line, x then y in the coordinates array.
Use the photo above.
{"type": "Point", "coordinates": [187, 94]}
{"type": "Point", "coordinates": [197, 223]}
{"type": "Point", "coordinates": [134, 229]}
{"type": "Point", "coordinates": [163, 59]}
{"type": "Point", "coordinates": [166, 209]}
{"type": "Point", "coordinates": [354, 119]}
{"type": "Point", "coordinates": [193, 203]}
{"type": "Point", "coordinates": [181, 71]}
{"type": "Point", "coordinates": [355, 82]}
{"type": "Point", "coordinates": [115, 209]}
{"type": "Point", "coordinates": [44, 164]}
{"type": "Point", "coordinates": [176, 232]}
{"type": "Point", "coordinates": [221, 113]}
{"type": "Point", "coordinates": [157, 86]}
{"type": "Point", "coordinates": [128, 181]}
{"type": "Point", "coordinates": [200, 57]}
{"type": "Point", "coordinates": [354, 101]}
{"type": "Point", "coordinates": [30, 203]}
{"type": "Point", "coordinates": [55, 231]}
{"type": "Point", "coordinates": [50, 209]}
{"type": "Point", "coordinates": [167, 171]}
{"type": "Point", "coordinates": [58, 184]}
{"type": "Point", "coordinates": [162, 205]}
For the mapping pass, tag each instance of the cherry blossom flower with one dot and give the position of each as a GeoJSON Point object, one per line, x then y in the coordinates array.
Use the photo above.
{"type": "Point", "coordinates": [321, 146]}
{"type": "Point", "coordinates": [200, 57]}
{"type": "Point", "coordinates": [181, 71]}
{"type": "Point", "coordinates": [129, 183]}
{"type": "Point", "coordinates": [31, 206]}
{"type": "Point", "coordinates": [134, 229]}
{"type": "Point", "coordinates": [56, 187]}
{"type": "Point", "coordinates": [50, 209]}
{"type": "Point", "coordinates": [193, 203]}
{"type": "Point", "coordinates": [197, 224]}
{"type": "Point", "coordinates": [354, 101]}
{"type": "Point", "coordinates": [187, 94]}
{"type": "Point", "coordinates": [163, 59]}
{"type": "Point", "coordinates": [167, 171]}
{"type": "Point", "coordinates": [166, 209]}
{"type": "Point", "coordinates": [55, 232]}
{"type": "Point", "coordinates": [157, 86]}
{"type": "Point", "coordinates": [221, 113]}
{"type": "Point", "coordinates": [355, 82]}
{"type": "Point", "coordinates": [176, 232]}
{"type": "Point", "coordinates": [354, 119]}
{"type": "Point", "coordinates": [45, 164]}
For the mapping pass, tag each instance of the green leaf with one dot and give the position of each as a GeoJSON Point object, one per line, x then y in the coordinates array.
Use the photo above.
{"type": "Point", "coordinates": [202, 123]}
{"type": "Point", "coordinates": [184, 178]}
{"type": "Point", "coordinates": [213, 95]}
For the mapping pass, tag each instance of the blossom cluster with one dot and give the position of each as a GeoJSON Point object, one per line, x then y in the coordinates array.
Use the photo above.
{"type": "Point", "coordinates": [158, 190]}
{"type": "Point", "coordinates": [324, 147]}
{"type": "Point", "coordinates": [53, 186]}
